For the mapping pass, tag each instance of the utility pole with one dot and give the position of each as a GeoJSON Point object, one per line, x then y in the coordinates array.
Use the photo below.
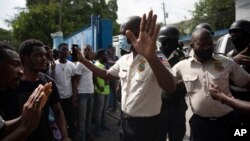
{"type": "Point", "coordinates": [60, 16]}
{"type": "Point", "coordinates": [164, 13]}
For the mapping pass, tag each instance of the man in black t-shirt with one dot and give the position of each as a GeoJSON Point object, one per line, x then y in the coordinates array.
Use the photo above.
{"type": "Point", "coordinates": [12, 126]}
{"type": "Point", "coordinates": [8, 104]}
{"type": "Point", "coordinates": [33, 56]}
{"type": "Point", "coordinates": [43, 132]}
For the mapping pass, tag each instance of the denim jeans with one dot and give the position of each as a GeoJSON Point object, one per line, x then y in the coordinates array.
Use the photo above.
{"type": "Point", "coordinates": [102, 105]}
{"type": "Point", "coordinates": [85, 107]}
{"type": "Point", "coordinates": [69, 113]}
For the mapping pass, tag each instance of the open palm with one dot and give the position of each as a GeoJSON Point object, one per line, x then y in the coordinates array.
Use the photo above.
{"type": "Point", "coordinates": [145, 44]}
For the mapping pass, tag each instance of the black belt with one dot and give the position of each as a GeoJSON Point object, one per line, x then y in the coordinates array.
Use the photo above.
{"type": "Point", "coordinates": [230, 116]}
{"type": "Point", "coordinates": [128, 117]}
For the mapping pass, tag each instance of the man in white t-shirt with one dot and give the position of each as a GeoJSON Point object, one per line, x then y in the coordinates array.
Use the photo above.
{"type": "Point", "coordinates": [85, 97]}
{"type": "Point", "coordinates": [64, 73]}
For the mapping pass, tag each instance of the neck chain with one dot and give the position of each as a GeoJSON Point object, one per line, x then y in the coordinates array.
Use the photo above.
{"type": "Point", "coordinates": [62, 66]}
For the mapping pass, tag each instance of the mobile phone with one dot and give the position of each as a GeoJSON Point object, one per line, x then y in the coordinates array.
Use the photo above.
{"type": "Point", "coordinates": [74, 52]}
{"type": "Point", "coordinates": [75, 46]}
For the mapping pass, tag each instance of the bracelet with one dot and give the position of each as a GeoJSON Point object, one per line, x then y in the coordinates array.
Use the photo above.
{"type": "Point", "coordinates": [2, 125]}
{"type": "Point", "coordinates": [2, 122]}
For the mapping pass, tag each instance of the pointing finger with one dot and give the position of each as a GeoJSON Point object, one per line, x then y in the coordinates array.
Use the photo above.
{"type": "Point", "coordinates": [143, 21]}
{"type": "Point", "coordinates": [149, 21]}
{"type": "Point", "coordinates": [152, 26]}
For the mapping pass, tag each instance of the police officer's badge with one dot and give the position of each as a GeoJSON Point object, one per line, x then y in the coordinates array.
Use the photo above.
{"type": "Point", "coordinates": [141, 66]}
{"type": "Point", "coordinates": [218, 66]}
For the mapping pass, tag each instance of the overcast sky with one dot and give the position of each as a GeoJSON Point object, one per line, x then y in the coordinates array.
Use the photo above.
{"type": "Point", "coordinates": [177, 10]}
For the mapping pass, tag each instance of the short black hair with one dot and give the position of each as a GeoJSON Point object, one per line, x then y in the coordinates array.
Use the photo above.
{"type": "Point", "coordinates": [132, 23]}
{"type": "Point", "coordinates": [110, 46]}
{"type": "Point", "coordinates": [3, 51]}
{"type": "Point", "coordinates": [47, 47]}
{"type": "Point", "coordinates": [62, 44]}
{"type": "Point", "coordinates": [55, 53]}
{"type": "Point", "coordinates": [27, 46]}
{"type": "Point", "coordinates": [100, 53]}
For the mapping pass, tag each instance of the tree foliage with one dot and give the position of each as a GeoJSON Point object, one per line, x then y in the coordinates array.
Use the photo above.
{"type": "Point", "coordinates": [7, 37]}
{"type": "Point", "coordinates": [41, 18]}
{"type": "Point", "coordinates": [37, 22]}
{"type": "Point", "coordinates": [218, 13]}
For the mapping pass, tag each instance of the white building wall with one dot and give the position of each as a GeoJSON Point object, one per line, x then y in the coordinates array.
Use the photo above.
{"type": "Point", "coordinates": [242, 9]}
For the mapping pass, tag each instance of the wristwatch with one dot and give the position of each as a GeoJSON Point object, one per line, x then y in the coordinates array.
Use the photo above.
{"type": "Point", "coordinates": [2, 123]}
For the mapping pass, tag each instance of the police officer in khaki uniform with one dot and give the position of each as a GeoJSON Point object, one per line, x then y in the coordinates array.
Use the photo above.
{"type": "Point", "coordinates": [142, 76]}
{"type": "Point", "coordinates": [211, 120]}
{"type": "Point", "coordinates": [172, 117]}
{"type": "Point", "coordinates": [240, 36]}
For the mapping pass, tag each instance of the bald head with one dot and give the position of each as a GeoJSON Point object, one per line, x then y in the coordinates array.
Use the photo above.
{"type": "Point", "coordinates": [132, 24]}
{"type": "Point", "coordinates": [201, 33]}
{"type": "Point", "coordinates": [202, 44]}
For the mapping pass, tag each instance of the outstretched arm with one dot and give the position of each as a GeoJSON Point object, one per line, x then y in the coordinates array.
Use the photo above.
{"type": "Point", "coordinates": [96, 71]}
{"type": "Point", "coordinates": [221, 96]}
{"type": "Point", "coordinates": [145, 45]}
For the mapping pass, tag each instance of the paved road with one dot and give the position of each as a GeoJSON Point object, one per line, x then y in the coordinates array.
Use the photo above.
{"type": "Point", "coordinates": [113, 133]}
{"type": "Point", "coordinates": [113, 123]}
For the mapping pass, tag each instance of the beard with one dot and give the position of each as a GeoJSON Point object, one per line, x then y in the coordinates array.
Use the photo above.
{"type": "Point", "coordinates": [204, 54]}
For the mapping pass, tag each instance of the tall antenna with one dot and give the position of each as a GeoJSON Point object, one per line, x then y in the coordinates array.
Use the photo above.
{"type": "Point", "coordinates": [165, 15]}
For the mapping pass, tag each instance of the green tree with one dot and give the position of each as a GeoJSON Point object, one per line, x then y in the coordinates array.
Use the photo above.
{"type": "Point", "coordinates": [30, 3]}
{"type": "Point", "coordinates": [37, 22]}
{"type": "Point", "coordinates": [41, 18]}
{"type": "Point", "coordinates": [7, 37]}
{"type": "Point", "coordinates": [219, 13]}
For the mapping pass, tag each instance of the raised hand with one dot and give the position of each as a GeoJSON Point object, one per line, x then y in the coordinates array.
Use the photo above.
{"type": "Point", "coordinates": [79, 55]}
{"type": "Point", "coordinates": [146, 42]}
{"type": "Point", "coordinates": [243, 58]}
{"type": "Point", "coordinates": [47, 89]}
{"type": "Point", "coordinates": [217, 93]}
{"type": "Point", "coordinates": [32, 108]}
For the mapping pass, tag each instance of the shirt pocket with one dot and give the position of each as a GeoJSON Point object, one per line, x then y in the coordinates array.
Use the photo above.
{"type": "Point", "coordinates": [142, 76]}
{"type": "Point", "coordinates": [190, 81]}
{"type": "Point", "coordinates": [123, 74]}
{"type": "Point", "coordinates": [221, 80]}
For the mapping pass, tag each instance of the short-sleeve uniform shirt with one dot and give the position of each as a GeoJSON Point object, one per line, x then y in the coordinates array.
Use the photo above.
{"type": "Point", "coordinates": [198, 76]}
{"type": "Point", "coordinates": [141, 93]}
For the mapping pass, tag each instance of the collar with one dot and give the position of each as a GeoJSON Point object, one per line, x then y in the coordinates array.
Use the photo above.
{"type": "Point", "coordinates": [98, 62]}
{"type": "Point", "coordinates": [214, 58]}
{"type": "Point", "coordinates": [172, 54]}
{"type": "Point", "coordinates": [134, 59]}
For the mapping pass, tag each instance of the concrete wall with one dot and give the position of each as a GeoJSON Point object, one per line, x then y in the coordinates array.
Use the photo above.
{"type": "Point", "coordinates": [242, 9]}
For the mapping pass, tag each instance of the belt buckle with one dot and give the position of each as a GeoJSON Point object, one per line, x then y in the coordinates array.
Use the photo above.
{"type": "Point", "coordinates": [213, 118]}
{"type": "Point", "coordinates": [125, 116]}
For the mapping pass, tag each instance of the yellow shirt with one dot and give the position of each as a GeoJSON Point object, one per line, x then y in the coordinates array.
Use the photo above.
{"type": "Point", "coordinates": [101, 82]}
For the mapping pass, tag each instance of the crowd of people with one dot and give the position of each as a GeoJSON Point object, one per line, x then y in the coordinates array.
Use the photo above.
{"type": "Point", "coordinates": [77, 91]}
